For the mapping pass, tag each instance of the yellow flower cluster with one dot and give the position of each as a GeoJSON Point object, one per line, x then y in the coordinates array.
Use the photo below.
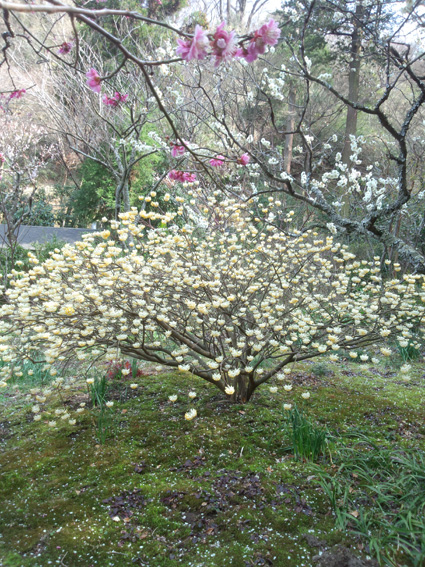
{"type": "Point", "coordinates": [233, 305]}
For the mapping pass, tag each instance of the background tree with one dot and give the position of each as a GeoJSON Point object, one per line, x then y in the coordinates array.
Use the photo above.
{"type": "Point", "coordinates": [110, 129]}
{"type": "Point", "coordinates": [24, 154]}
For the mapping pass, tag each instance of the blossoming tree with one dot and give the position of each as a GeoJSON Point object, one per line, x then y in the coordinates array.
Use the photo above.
{"type": "Point", "coordinates": [235, 305]}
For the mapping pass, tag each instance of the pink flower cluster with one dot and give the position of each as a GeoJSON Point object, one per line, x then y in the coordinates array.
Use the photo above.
{"type": "Point", "coordinates": [244, 159]}
{"type": "Point", "coordinates": [223, 45]}
{"type": "Point", "coordinates": [195, 48]}
{"type": "Point", "coordinates": [268, 34]}
{"type": "Point", "coordinates": [2, 158]}
{"type": "Point", "coordinates": [114, 100]}
{"type": "Point", "coordinates": [17, 94]}
{"type": "Point", "coordinates": [182, 176]}
{"type": "Point", "coordinates": [218, 161]}
{"type": "Point", "coordinates": [177, 151]}
{"type": "Point", "coordinates": [93, 80]}
{"type": "Point", "coordinates": [65, 47]}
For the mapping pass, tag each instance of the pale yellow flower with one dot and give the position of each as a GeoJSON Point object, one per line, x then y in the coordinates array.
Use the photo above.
{"type": "Point", "coordinates": [191, 414]}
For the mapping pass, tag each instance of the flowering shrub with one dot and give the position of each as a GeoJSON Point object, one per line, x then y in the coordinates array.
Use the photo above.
{"type": "Point", "coordinates": [234, 306]}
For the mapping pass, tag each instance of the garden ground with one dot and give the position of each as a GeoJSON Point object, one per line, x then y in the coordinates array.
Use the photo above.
{"type": "Point", "coordinates": [224, 489]}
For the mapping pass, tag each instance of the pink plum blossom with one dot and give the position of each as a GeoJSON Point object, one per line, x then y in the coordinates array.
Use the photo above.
{"type": "Point", "coordinates": [115, 100]}
{"type": "Point", "coordinates": [2, 158]}
{"type": "Point", "coordinates": [224, 45]}
{"type": "Point", "coordinates": [17, 94]}
{"type": "Point", "coordinates": [218, 161]}
{"type": "Point", "coordinates": [252, 52]}
{"type": "Point", "coordinates": [244, 159]}
{"type": "Point", "coordinates": [268, 34]}
{"type": "Point", "coordinates": [182, 176]}
{"type": "Point", "coordinates": [177, 151]}
{"type": "Point", "coordinates": [93, 80]}
{"type": "Point", "coordinates": [195, 48]}
{"type": "Point", "coordinates": [65, 47]}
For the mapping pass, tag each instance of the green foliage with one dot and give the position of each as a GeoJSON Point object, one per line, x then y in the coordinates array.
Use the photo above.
{"type": "Point", "coordinates": [94, 198]}
{"type": "Point", "coordinates": [135, 33]}
{"type": "Point", "coordinates": [392, 483]}
{"type": "Point", "coordinates": [40, 213]}
{"type": "Point", "coordinates": [408, 353]}
{"type": "Point", "coordinates": [144, 173]}
{"type": "Point", "coordinates": [33, 375]}
{"type": "Point", "coordinates": [43, 251]}
{"type": "Point", "coordinates": [134, 367]}
{"type": "Point", "coordinates": [321, 369]}
{"type": "Point", "coordinates": [103, 412]}
{"type": "Point", "coordinates": [98, 391]}
{"type": "Point", "coordinates": [105, 423]}
{"type": "Point", "coordinates": [9, 257]}
{"type": "Point", "coordinates": [308, 440]}
{"type": "Point", "coordinates": [196, 17]}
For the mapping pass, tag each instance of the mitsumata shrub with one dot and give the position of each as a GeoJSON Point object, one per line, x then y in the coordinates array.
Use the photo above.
{"type": "Point", "coordinates": [234, 305]}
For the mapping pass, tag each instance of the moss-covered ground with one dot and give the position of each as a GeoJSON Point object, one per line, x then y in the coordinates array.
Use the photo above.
{"type": "Point", "coordinates": [221, 490]}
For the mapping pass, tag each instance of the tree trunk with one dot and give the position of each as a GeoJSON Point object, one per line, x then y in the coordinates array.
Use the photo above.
{"type": "Point", "coordinates": [122, 194]}
{"type": "Point", "coordinates": [126, 196]}
{"type": "Point", "coordinates": [353, 95]}
{"type": "Point", "coordinates": [393, 255]}
{"type": "Point", "coordinates": [244, 388]}
{"type": "Point", "coordinates": [289, 136]}
{"type": "Point", "coordinates": [406, 253]}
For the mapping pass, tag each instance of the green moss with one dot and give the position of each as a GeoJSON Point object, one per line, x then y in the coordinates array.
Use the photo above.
{"type": "Point", "coordinates": [54, 482]}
